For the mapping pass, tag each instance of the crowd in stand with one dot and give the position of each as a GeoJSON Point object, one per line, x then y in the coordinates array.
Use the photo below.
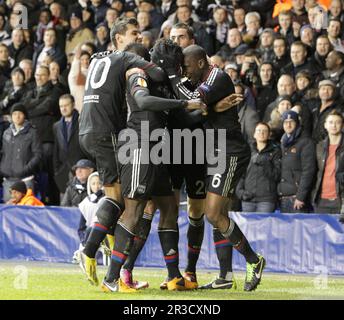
{"type": "Point", "coordinates": [285, 57]}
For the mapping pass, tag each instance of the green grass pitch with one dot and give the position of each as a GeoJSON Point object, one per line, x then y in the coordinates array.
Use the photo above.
{"type": "Point", "coordinates": [50, 281]}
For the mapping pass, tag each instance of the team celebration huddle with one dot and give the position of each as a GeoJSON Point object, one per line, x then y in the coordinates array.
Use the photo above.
{"type": "Point", "coordinates": [137, 104]}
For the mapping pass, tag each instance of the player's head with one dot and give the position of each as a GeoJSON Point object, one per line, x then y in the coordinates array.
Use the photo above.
{"type": "Point", "coordinates": [138, 49]}
{"type": "Point", "coordinates": [124, 32]}
{"type": "Point", "coordinates": [182, 34]}
{"type": "Point", "coordinates": [195, 63]}
{"type": "Point", "coordinates": [165, 50]}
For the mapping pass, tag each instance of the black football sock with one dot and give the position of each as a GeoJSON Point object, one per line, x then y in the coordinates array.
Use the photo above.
{"type": "Point", "coordinates": [144, 227]}
{"type": "Point", "coordinates": [169, 244]}
{"type": "Point", "coordinates": [239, 242]}
{"type": "Point", "coordinates": [224, 250]}
{"type": "Point", "coordinates": [120, 252]}
{"type": "Point", "coordinates": [97, 235]}
{"type": "Point", "coordinates": [195, 238]}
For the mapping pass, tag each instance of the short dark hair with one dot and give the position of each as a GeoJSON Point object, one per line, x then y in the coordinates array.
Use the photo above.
{"type": "Point", "coordinates": [196, 51]}
{"type": "Point", "coordinates": [138, 49]}
{"type": "Point", "coordinates": [339, 55]}
{"type": "Point", "coordinates": [18, 70]}
{"type": "Point", "coordinates": [262, 124]}
{"type": "Point", "coordinates": [67, 96]}
{"type": "Point", "coordinates": [121, 27]}
{"type": "Point", "coordinates": [189, 30]}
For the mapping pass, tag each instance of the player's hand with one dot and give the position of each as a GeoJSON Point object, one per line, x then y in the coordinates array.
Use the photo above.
{"type": "Point", "coordinates": [229, 102]}
{"type": "Point", "coordinates": [298, 204]}
{"type": "Point", "coordinates": [133, 71]}
{"type": "Point", "coordinates": [197, 104]}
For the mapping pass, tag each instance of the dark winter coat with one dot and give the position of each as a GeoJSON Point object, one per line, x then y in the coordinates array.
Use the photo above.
{"type": "Point", "coordinates": [298, 168]}
{"type": "Point", "coordinates": [75, 193]}
{"type": "Point", "coordinates": [259, 184]}
{"type": "Point", "coordinates": [25, 51]}
{"type": "Point", "coordinates": [56, 53]}
{"type": "Point", "coordinates": [21, 153]}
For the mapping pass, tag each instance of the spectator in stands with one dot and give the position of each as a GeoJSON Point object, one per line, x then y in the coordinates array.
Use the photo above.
{"type": "Point", "coordinates": [281, 57]}
{"type": "Point", "coordinates": [322, 49]}
{"type": "Point", "coordinates": [102, 37]}
{"type": "Point", "coordinates": [335, 70]}
{"type": "Point", "coordinates": [77, 34]}
{"type": "Point", "coordinates": [45, 22]}
{"type": "Point", "coordinates": [265, 88]}
{"type": "Point", "coordinates": [49, 47]}
{"type": "Point", "coordinates": [110, 17]}
{"type": "Point", "coordinates": [298, 166]}
{"type": "Point", "coordinates": [335, 11]}
{"type": "Point", "coordinates": [21, 151]}
{"type": "Point", "coordinates": [99, 8]}
{"type": "Point", "coordinates": [144, 20]}
{"type": "Point", "coordinates": [285, 87]}
{"type": "Point", "coordinates": [167, 8]}
{"type": "Point", "coordinates": [326, 103]}
{"type": "Point", "coordinates": [157, 18]}
{"type": "Point", "coordinates": [233, 41]}
{"type": "Point", "coordinates": [285, 29]}
{"type": "Point", "coordinates": [77, 77]}
{"type": "Point", "coordinates": [147, 40]}
{"type": "Point", "coordinates": [26, 66]}
{"type": "Point", "coordinates": [165, 30]}
{"type": "Point", "coordinates": [19, 49]}
{"type": "Point", "coordinates": [183, 14]}
{"type": "Point", "coordinates": [43, 110]}
{"type": "Point", "coordinates": [5, 36]}
{"type": "Point", "coordinates": [89, 206]}
{"type": "Point", "coordinates": [298, 56]}
{"type": "Point", "coordinates": [248, 116]}
{"type": "Point", "coordinates": [22, 196]}
{"type": "Point", "coordinates": [334, 34]}
{"type": "Point", "coordinates": [299, 12]}
{"type": "Point", "coordinates": [307, 37]}
{"type": "Point", "coordinates": [217, 61]}
{"type": "Point", "coordinates": [219, 27]}
{"type": "Point", "coordinates": [57, 79]}
{"type": "Point", "coordinates": [77, 188]}
{"type": "Point", "coordinates": [233, 71]}
{"type": "Point", "coordinates": [13, 92]}
{"type": "Point", "coordinates": [265, 48]}
{"type": "Point", "coordinates": [6, 62]}
{"type": "Point", "coordinates": [60, 23]}
{"type": "Point", "coordinates": [239, 19]}
{"type": "Point", "coordinates": [329, 188]}
{"type": "Point", "coordinates": [253, 28]}
{"type": "Point", "coordinates": [257, 189]}
{"type": "Point", "coordinates": [66, 142]}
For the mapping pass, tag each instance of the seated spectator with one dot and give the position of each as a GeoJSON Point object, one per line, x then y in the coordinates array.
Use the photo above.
{"type": "Point", "coordinates": [77, 34]}
{"type": "Point", "coordinates": [21, 151]}
{"type": "Point", "coordinates": [77, 188]}
{"type": "Point", "coordinates": [329, 187]}
{"type": "Point", "coordinates": [19, 49]}
{"type": "Point", "coordinates": [66, 142]}
{"type": "Point", "coordinates": [60, 23]}
{"type": "Point", "coordinates": [13, 92]}
{"type": "Point", "coordinates": [233, 71]}
{"type": "Point", "coordinates": [77, 77]}
{"type": "Point", "coordinates": [335, 10]}
{"type": "Point", "coordinates": [299, 12]}
{"type": "Point", "coordinates": [325, 104]}
{"type": "Point", "coordinates": [89, 206]}
{"type": "Point", "coordinates": [22, 196]}
{"type": "Point", "coordinates": [233, 41]}
{"type": "Point", "coordinates": [49, 47]}
{"type": "Point", "coordinates": [102, 37]}
{"type": "Point", "coordinates": [110, 17]}
{"type": "Point", "coordinates": [217, 61]}
{"type": "Point", "coordinates": [298, 166]}
{"type": "Point", "coordinates": [167, 8]}
{"type": "Point", "coordinates": [257, 189]}
{"type": "Point", "coordinates": [307, 37]}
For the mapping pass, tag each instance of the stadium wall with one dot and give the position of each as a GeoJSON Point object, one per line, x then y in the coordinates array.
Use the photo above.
{"type": "Point", "coordinates": [292, 243]}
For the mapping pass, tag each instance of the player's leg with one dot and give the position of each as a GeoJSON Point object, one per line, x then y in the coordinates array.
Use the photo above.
{"type": "Point", "coordinates": [124, 237]}
{"type": "Point", "coordinates": [142, 232]}
{"type": "Point", "coordinates": [101, 150]}
{"type": "Point", "coordinates": [220, 188]}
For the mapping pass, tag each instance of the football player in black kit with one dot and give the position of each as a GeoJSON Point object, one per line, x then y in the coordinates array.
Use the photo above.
{"type": "Point", "coordinates": [212, 84]}
{"type": "Point", "coordinates": [142, 180]}
{"type": "Point", "coordinates": [101, 120]}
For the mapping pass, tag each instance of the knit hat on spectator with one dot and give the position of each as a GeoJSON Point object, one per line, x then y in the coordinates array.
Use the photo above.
{"type": "Point", "coordinates": [19, 186]}
{"type": "Point", "coordinates": [84, 163]}
{"type": "Point", "coordinates": [290, 115]}
{"type": "Point", "coordinates": [327, 83]}
{"type": "Point", "coordinates": [241, 49]}
{"type": "Point", "coordinates": [282, 98]}
{"type": "Point", "coordinates": [76, 13]}
{"type": "Point", "coordinates": [19, 107]}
